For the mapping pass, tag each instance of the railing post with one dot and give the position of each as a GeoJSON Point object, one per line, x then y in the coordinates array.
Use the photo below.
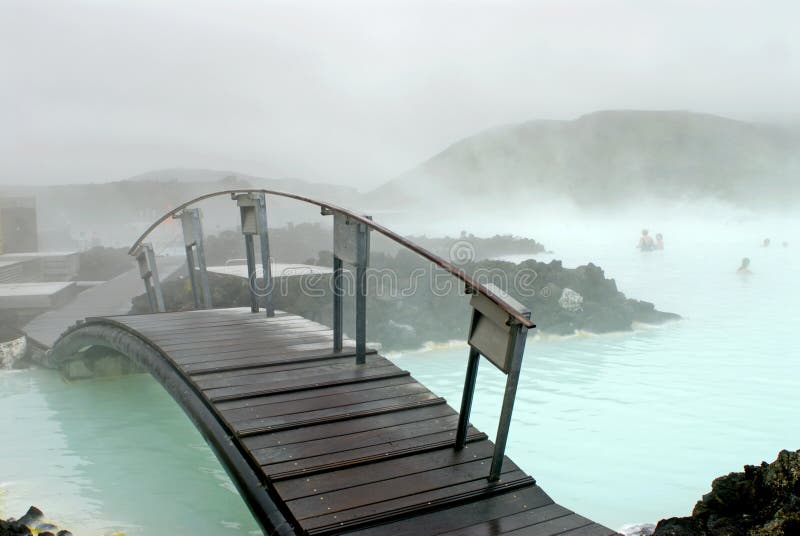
{"type": "Point", "coordinates": [350, 245]}
{"type": "Point", "coordinates": [146, 259]}
{"type": "Point", "coordinates": [250, 253]}
{"type": "Point", "coordinates": [266, 265]}
{"type": "Point", "coordinates": [193, 240]}
{"type": "Point", "coordinates": [253, 209]}
{"type": "Point", "coordinates": [337, 304]}
{"type": "Point", "coordinates": [466, 398]}
{"type": "Point", "coordinates": [500, 338]}
{"type": "Point", "coordinates": [518, 334]}
{"type": "Point", "coordinates": [361, 293]}
{"type": "Point", "coordinates": [192, 276]}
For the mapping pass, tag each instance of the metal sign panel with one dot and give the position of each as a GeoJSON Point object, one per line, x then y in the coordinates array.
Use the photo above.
{"type": "Point", "coordinates": [248, 204]}
{"type": "Point", "coordinates": [190, 222]}
{"type": "Point", "coordinates": [491, 332]}
{"type": "Point", "coordinates": [144, 266]}
{"type": "Point", "coordinates": [249, 220]}
{"type": "Point", "coordinates": [345, 238]}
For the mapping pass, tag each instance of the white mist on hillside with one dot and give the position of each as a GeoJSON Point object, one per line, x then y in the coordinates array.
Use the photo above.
{"type": "Point", "coordinates": [610, 159]}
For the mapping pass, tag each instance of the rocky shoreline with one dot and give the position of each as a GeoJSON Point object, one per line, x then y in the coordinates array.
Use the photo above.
{"type": "Point", "coordinates": [763, 500]}
{"type": "Point", "coordinates": [402, 305]}
{"type": "Point", "coordinates": [31, 523]}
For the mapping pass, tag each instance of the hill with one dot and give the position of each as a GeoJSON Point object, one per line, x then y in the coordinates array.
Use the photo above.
{"type": "Point", "coordinates": [115, 213]}
{"type": "Point", "coordinates": [613, 158]}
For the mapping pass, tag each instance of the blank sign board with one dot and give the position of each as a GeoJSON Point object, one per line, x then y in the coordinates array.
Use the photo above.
{"type": "Point", "coordinates": [345, 239]}
{"type": "Point", "coordinates": [492, 332]}
{"type": "Point", "coordinates": [248, 204]}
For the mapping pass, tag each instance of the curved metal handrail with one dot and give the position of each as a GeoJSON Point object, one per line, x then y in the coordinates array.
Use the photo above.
{"type": "Point", "coordinates": [475, 286]}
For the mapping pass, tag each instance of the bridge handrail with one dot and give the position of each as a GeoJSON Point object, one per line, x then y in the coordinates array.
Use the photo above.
{"type": "Point", "coordinates": [473, 285]}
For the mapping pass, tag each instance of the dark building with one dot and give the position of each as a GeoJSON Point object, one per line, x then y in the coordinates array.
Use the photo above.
{"type": "Point", "coordinates": [18, 233]}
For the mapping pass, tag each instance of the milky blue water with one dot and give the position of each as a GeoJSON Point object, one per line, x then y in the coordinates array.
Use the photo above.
{"type": "Point", "coordinates": [623, 428]}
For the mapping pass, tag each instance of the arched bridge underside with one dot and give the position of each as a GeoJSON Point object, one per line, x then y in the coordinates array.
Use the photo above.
{"type": "Point", "coordinates": [318, 444]}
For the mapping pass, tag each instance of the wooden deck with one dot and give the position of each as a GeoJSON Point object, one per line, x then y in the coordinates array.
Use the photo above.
{"type": "Point", "coordinates": [344, 448]}
{"type": "Point", "coordinates": [112, 297]}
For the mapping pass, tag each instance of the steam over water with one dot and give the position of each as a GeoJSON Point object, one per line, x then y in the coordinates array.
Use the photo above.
{"type": "Point", "coordinates": [622, 428]}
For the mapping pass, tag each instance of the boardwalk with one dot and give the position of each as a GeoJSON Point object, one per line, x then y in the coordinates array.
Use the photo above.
{"type": "Point", "coordinates": [330, 447]}
{"type": "Point", "coordinates": [108, 298]}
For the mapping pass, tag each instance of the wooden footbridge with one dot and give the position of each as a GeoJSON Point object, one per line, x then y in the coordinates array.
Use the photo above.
{"type": "Point", "coordinates": [320, 434]}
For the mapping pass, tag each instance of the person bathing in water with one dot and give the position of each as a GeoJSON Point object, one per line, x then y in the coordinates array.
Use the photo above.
{"type": "Point", "coordinates": [745, 267]}
{"type": "Point", "coordinates": [659, 241]}
{"type": "Point", "coordinates": [646, 241]}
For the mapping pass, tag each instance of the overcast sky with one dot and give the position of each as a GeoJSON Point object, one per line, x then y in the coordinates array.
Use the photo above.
{"type": "Point", "coordinates": [357, 93]}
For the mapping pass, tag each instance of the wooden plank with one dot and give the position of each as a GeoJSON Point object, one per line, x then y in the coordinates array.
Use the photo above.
{"type": "Point", "coordinates": [284, 422]}
{"type": "Point", "coordinates": [252, 322]}
{"type": "Point", "coordinates": [316, 393]}
{"type": "Point", "coordinates": [362, 449]}
{"type": "Point", "coordinates": [386, 490]}
{"type": "Point", "coordinates": [339, 378]}
{"type": "Point", "coordinates": [594, 529]}
{"type": "Point", "coordinates": [234, 352]}
{"type": "Point", "coordinates": [240, 338]}
{"type": "Point", "coordinates": [258, 359]}
{"type": "Point", "coordinates": [277, 354]}
{"type": "Point", "coordinates": [174, 316]}
{"type": "Point", "coordinates": [464, 515]}
{"type": "Point", "coordinates": [559, 525]}
{"type": "Point", "coordinates": [357, 457]}
{"type": "Point", "coordinates": [414, 503]}
{"type": "Point", "coordinates": [381, 442]}
{"type": "Point", "coordinates": [271, 408]}
{"type": "Point", "coordinates": [312, 441]}
{"type": "Point", "coordinates": [270, 368]}
{"type": "Point", "coordinates": [528, 518]}
{"type": "Point", "coordinates": [382, 470]}
{"type": "Point", "coordinates": [243, 340]}
{"type": "Point", "coordinates": [174, 321]}
{"type": "Point", "coordinates": [265, 379]}
{"type": "Point", "coordinates": [249, 322]}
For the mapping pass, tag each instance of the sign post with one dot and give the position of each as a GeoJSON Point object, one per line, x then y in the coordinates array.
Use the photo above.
{"type": "Point", "coordinates": [500, 338]}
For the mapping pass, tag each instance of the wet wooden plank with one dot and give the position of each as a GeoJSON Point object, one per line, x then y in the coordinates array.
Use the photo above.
{"type": "Point", "coordinates": [382, 470]}
{"type": "Point", "coordinates": [340, 378]}
{"type": "Point", "coordinates": [330, 401]}
{"type": "Point", "coordinates": [552, 513]}
{"type": "Point", "coordinates": [227, 378]}
{"type": "Point", "coordinates": [316, 393]}
{"type": "Point", "coordinates": [267, 352]}
{"type": "Point", "coordinates": [595, 529]}
{"type": "Point", "coordinates": [573, 523]}
{"type": "Point", "coordinates": [250, 322]}
{"type": "Point", "coordinates": [361, 449]}
{"type": "Point", "coordinates": [242, 339]}
{"type": "Point", "coordinates": [413, 503]}
{"type": "Point", "coordinates": [258, 358]}
{"type": "Point", "coordinates": [328, 415]}
{"type": "Point", "coordinates": [374, 493]}
{"type": "Point", "coordinates": [465, 515]}
{"type": "Point", "coordinates": [266, 377]}
{"type": "Point", "coordinates": [381, 450]}
{"type": "Point", "coordinates": [344, 369]}
{"type": "Point", "coordinates": [357, 432]}
{"type": "Point", "coordinates": [233, 352]}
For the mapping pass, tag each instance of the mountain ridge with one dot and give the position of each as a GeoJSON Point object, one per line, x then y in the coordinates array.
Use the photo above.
{"type": "Point", "coordinates": [608, 157]}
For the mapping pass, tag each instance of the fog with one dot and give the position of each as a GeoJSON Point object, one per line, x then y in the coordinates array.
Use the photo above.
{"type": "Point", "coordinates": [533, 142]}
{"type": "Point", "coordinates": [357, 93]}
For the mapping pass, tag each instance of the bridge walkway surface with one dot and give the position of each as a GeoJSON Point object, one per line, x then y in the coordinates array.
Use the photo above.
{"type": "Point", "coordinates": [334, 447]}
